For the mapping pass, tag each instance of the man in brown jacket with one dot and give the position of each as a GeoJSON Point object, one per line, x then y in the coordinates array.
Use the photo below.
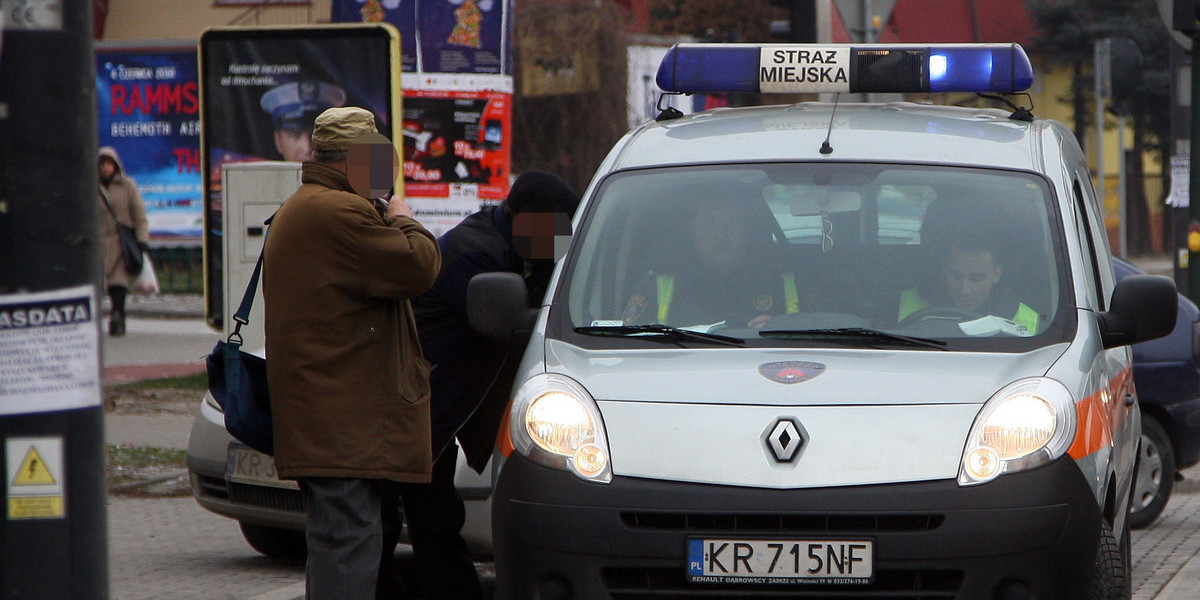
{"type": "Point", "coordinates": [349, 387]}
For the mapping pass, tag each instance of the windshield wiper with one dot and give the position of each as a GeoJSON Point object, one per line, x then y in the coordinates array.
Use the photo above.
{"type": "Point", "coordinates": [658, 329]}
{"type": "Point", "coordinates": [852, 332]}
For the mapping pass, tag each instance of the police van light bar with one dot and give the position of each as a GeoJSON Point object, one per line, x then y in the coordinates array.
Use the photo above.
{"type": "Point", "coordinates": [850, 68]}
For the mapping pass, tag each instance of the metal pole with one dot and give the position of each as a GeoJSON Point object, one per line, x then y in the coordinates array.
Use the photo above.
{"type": "Point", "coordinates": [53, 531]}
{"type": "Point", "coordinates": [1122, 206]}
{"type": "Point", "coordinates": [868, 35]}
{"type": "Point", "coordinates": [1193, 236]}
{"type": "Point", "coordinates": [1098, 66]}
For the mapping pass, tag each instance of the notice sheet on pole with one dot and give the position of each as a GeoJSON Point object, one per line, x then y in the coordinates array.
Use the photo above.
{"type": "Point", "coordinates": [49, 351]}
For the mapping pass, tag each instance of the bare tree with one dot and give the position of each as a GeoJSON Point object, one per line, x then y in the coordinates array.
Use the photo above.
{"type": "Point", "coordinates": [569, 125]}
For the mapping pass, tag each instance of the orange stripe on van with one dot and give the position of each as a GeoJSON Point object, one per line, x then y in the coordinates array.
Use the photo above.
{"type": "Point", "coordinates": [504, 441]}
{"type": "Point", "coordinates": [1098, 419]}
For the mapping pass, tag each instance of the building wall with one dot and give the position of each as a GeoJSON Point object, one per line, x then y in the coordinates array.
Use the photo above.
{"type": "Point", "coordinates": [186, 19]}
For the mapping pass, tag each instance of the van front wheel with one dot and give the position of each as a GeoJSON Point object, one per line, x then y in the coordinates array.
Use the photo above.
{"type": "Point", "coordinates": [1109, 578]}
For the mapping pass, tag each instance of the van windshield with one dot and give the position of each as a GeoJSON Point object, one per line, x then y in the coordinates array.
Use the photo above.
{"type": "Point", "coordinates": [830, 254]}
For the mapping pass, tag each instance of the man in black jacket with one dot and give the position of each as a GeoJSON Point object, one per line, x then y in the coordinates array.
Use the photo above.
{"type": "Point", "coordinates": [471, 377]}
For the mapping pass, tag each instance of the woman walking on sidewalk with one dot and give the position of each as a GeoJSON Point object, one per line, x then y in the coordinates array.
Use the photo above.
{"type": "Point", "coordinates": [125, 204]}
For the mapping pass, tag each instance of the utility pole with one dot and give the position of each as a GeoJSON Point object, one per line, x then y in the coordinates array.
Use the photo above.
{"type": "Point", "coordinates": [1100, 64]}
{"type": "Point", "coordinates": [53, 531]}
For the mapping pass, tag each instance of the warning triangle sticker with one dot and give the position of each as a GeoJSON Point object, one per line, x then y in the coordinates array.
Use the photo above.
{"type": "Point", "coordinates": [33, 470]}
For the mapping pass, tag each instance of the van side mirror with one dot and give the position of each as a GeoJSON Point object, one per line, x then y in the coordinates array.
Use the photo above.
{"type": "Point", "coordinates": [1143, 308]}
{"type": "Point", "coordinates": [498, 308]}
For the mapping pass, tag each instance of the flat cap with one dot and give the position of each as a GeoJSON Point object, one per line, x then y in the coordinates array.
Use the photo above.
{"type": "Point", "coordinates": [336, 128]}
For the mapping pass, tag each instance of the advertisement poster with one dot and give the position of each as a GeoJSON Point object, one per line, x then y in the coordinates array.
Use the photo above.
{"type": "Point", "coordinates": [457, 139]}
{"type": "Point", "coordinates": [401, 14]}
{"type": "Point", "coordinates": [261, 89]}
{"type": "Point", "coordinates": [148, 105]}
{"type": "Point", "coordinates": [441, 36]}
{"type": "Point", "coordinates": [463, 36]}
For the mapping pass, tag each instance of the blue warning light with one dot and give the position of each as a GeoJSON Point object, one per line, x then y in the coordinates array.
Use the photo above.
{"type": "Point", "coordinates": [850, 68]}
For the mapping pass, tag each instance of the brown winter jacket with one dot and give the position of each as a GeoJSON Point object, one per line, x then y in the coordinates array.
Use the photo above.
{"type": "Point", "coordinates": [127, 204]}
{"type": "Point", "coordinates": [349, 387]}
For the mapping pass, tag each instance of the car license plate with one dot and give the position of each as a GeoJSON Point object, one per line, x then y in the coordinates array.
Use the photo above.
{"type": "Point", "coordinates": [246, 465]}
{"type": "Point", "coordinates": [781, 561]}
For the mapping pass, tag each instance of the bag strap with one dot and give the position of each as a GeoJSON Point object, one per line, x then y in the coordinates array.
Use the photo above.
{"type": "Point", "coordinates": [242, 316]}
{"type": "Point", "coordinates": [104, 196]}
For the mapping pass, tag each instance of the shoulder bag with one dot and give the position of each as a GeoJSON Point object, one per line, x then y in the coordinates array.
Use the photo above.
{"type": "Point", "coordinates": [130, 251]}
{"type": "Point", "coordinates": [237, 380]}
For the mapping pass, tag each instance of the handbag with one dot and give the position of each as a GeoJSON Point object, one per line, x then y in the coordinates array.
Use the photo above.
{"type": "Point", "coordinates": [131, 251]}
{"type": "Point", "coordinates": [237, 380]}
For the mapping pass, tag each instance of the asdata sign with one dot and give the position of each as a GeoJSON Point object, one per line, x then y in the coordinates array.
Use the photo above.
{"type": "Point", "coordinates": [34, 478]}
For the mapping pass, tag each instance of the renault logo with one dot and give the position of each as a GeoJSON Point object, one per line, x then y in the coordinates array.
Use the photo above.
{"type": "Point", "coordinates": [784, 440]}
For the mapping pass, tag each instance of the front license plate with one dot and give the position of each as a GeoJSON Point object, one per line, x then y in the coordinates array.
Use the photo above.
{"type": "Point", "coordinates": [781, 561]}
{"type": "Point", "coordinates": [246, 465]}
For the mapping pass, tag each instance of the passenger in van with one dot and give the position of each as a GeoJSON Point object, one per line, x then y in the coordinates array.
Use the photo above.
{"type": "Point", "coordinates": [725, 273]}
{"type": "Point", "coordinates": [967, 282]}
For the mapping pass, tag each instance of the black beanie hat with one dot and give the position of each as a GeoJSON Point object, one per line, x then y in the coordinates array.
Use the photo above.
{"type": "Point", "coordinates": [540, 191]}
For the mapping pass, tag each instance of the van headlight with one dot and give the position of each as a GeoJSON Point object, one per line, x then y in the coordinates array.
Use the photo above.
{"type": "Point", "coordinates": [1027, 423]}
{"type": "Point", "coordinates": [555, 422]}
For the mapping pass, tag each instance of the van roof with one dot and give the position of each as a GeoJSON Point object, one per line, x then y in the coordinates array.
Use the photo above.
{"type": "Point", "coordinates": [890, 132]}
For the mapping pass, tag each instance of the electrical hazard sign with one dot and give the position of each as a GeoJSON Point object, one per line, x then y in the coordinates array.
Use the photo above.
{"type": "Point", "coordinates": [34, 482]}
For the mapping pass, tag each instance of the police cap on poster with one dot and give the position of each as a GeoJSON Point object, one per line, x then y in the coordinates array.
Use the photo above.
{"type": "Point", "coordinates": [293, 105]}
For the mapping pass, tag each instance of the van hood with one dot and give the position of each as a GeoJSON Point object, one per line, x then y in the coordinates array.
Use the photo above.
{"type": "Point", "coordinates": [864, 417]}
{"type": "Point", "coordinates": [794, 376]}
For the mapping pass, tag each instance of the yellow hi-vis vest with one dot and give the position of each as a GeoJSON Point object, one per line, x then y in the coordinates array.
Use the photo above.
{"type": "Point", "coordinates": [911, 301]}
{"type": "Point", "coordinates": [666, 290]}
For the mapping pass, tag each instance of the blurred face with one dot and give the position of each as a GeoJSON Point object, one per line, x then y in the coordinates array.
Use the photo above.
{"type": "Point", "coordinates": [294, 144]}
{"type": "Point", "coordinates": [719, 236]}
{"type": "Point", "coordinates": [107, 168]}
{"type": "Point", "coordinates": [969, 277]}
{"type": "Point", "coordinates": [541, 235]}
{"type": "Point", "coordinates": [372, 165]}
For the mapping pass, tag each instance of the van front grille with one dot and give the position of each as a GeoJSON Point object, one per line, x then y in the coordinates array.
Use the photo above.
{"type": "Point", "coordinates": [780, 523]}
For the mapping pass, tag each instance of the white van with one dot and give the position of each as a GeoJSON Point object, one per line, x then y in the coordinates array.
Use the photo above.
{"type": "Point", "coordinates": [827, 349]}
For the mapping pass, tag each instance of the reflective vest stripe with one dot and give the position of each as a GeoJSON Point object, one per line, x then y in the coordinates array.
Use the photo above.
{"type": "Point", "coordinates": [1026, 316]}
{"type": "Point", "coordinates": [911, 301]}
{"type": "Point", "coordinates": [666, 289]}
{"type": "Point", "coordinates": [790, 295]}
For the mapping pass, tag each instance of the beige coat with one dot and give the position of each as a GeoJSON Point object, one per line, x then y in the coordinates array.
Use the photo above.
{"type": "Point", "coordinates": [349, 387]}
{"type": "Point", "coordinates": [127, 204]}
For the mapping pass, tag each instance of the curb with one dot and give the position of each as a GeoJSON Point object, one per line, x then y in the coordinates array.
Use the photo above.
{"type": "Point", "coordinates": [131, 373]}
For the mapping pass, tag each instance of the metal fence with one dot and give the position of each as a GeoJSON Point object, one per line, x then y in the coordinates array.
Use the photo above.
{"type": "Point", "coordinates": [180, 269]}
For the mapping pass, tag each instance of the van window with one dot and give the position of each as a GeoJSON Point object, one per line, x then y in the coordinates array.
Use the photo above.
{"type": "Point", "coordinates": [964, 256]}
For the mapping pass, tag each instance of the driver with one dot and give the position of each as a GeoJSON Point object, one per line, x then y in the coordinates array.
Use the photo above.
{"type": "Point", "coordinates": [970, 270]}
{"type": "Point", "coordinates": [719, 277]}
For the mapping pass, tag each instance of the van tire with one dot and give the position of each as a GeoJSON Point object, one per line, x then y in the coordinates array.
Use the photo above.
{"type": "Point", "coordinates": [1109, 577]}
{"type": "Point", "coordinates": [1156, 474]}
{"type": "Point", "coordinates": [273, 541]}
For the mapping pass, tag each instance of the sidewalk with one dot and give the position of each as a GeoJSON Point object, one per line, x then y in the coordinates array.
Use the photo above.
{"type": "Point", "coordinates": [1158, 264]}
{"type": "Point", "coordinates": [164, 306]}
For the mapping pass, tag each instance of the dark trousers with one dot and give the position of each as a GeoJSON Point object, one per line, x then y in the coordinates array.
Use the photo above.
{"type": "Point", "coordinates": [435, 515]}
{"type": "Point", "coordinates": [342, 532]}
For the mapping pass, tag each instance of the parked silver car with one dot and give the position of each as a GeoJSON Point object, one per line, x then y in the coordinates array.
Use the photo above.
{"type": "Point", "coordinates": [234, 481]}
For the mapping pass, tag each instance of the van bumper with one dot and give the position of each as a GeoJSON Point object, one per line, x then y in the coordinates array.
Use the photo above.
{"type": "Point", "coordinates": [1025, 535]}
